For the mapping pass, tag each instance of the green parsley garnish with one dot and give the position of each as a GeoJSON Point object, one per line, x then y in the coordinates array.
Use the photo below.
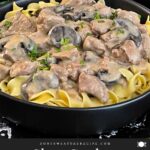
{"type": "Point", "coordinates": [97, 16]}
{"type": "Point", "coordinates": [114, 15]}
{"type": "Point", "coordinates": [68, 47]}
{"type": "Point", "coordinates": [44, 64]}
{"type": "Point", "coordinates": [64, 41]}
{"type": "Point", "coordinates": [113, 23]}
{"type": "Point", "coordinates": [82, 62]}
{"type": "Point", "coordinates": [33, 54]}
{"type": "Point", "coordinates": [7, 24]}
{"type": "Point", "coordinates": [81, 25]}
{"type": "Point", "coordinates": [89, 34]}
{"type": "Point", "coordinates": [57, 50]}
{"type": "Point", "coordinates": [120, 31]}
{"type": "Point", "coordinates": [13, 49]}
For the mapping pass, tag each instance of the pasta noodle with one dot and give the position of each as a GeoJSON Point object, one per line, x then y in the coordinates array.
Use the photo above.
{"type": "Point", "coordinates": [12, 13]}
{"type": "Point", "coordinates": [148, 24]}
{"type": "Point", "coordinates": [14, 86]}
{"type": "Point", "coordinates": [3, 85]}
{"type": "Point", "coordinates": [31, 9]}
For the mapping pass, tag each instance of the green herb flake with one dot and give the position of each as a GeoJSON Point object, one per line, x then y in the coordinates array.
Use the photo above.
{"type": "Point", "coordinates": [68, 47]}
{"type": "Point", "coordinates": [120, 31]}
{"type": "Point", "coordinates": [97, 16]}
{"type": "Point", "coordinates": [33, 54]}
{"type": "Point", "coordinates": [89, 34]}
{"type": "Point", "coordinates": [43, 68]}
{"type": "Point", "coordinates": [82, 62]}
{"type": "Point", "coordinates": [64, 41]}
{"type": "Point", "coordinates": [81, 25]}
{"type": "Point", "coordinates": [57, 50]}
{"type": "Point", "coordinates": [114, 15]}
{"type": "Point", "coordinates": [7, 24]}
{"type": "Point", "coordinates": [113, 23]}
{"type": "Point", "coordinates": [44, 64]}
{"type": "Point", "coordinates": [13, 49]}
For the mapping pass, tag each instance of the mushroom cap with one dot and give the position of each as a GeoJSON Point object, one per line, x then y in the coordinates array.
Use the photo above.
{"type": "Point", "coordinates": [63, 31]}
{"type": "Point", "coordinates": [135, 33]}
{"type": "Point", "coordinates": [111, 74]}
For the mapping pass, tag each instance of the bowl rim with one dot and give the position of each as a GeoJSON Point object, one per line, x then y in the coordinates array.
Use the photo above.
{"type": "Point", "coordinates": [120, 104]}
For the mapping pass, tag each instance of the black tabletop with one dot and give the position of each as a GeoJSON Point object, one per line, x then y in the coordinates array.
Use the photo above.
{"type": "Point", "coordinates": [138, 129]}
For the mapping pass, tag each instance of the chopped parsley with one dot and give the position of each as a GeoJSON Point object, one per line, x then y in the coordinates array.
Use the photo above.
{"type": "Point", "coordinates": [82, 62]}
{"type": "Point", "coordinates": [114, 23]}
{"type": "Point", "coordinates": [64, 41]}
{"type": "Point", "coordinates": [34, 53]}
{"type": "Point", "coordinates": [114, 15]}
{"type": "Point", "coordinates": [97, 16]}
{"type": "Point", "coordinates": [120, 31]}
{"type": "Point", "coordinates": [7, 24]}
{"type": "Point", "coordinates": [68, 47]}
{"type": "Point", "coordinates": [44, 64]}
{"type": "Point", "coordinates": [89, 34]}
{"type": "Point", "coordinates": [13, 49]}
{"type": "Point", "coordinates": [57, 50]}
{"type": "Point", "coordinates": [81, 25]}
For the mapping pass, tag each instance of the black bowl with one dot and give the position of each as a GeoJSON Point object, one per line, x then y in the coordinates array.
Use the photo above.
{"type": "Point", "coordinates": [72, 121]}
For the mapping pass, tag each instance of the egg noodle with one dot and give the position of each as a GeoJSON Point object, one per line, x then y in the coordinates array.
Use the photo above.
{"type": "Point", "coordinates": [138, 81]}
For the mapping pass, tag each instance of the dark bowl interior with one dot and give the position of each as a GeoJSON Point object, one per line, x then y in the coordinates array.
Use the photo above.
{"type": "Point", "coordinates": [72, 121]}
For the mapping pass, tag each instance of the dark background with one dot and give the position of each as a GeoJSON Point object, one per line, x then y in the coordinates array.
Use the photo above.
{"type": "Point", "coordinates": [138, 129]}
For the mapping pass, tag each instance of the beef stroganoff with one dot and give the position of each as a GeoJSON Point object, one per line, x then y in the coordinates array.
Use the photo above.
{"type": "Point", "coordinates": [76, 53]}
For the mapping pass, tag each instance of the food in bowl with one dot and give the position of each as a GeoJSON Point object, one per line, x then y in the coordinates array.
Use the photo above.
{"type": "Point", "coordinates": [74, 54]}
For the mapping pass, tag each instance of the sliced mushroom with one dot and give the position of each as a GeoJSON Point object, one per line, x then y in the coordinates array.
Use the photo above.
{"type": "Point", "coordinates": [77, 2]}
{"type": "Point", "coordinates": [59, 32]}
{"type": "Point", "coordinates": [40, 81]}
{"type": "Point", "coordinates": [87, 15]}
{"type": "Point", "coordinates": [130, 15]}
{"type": "Point", "coordinates": [70, 16]}
{"type": "Point", "coordinates": [63, 9]}
{"type": "Point", "coordinates": [135, 33]}
{"type": "Point", "coordinates": [84, 12]}
{"type": "Point", "coordinates": [109, 73]}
